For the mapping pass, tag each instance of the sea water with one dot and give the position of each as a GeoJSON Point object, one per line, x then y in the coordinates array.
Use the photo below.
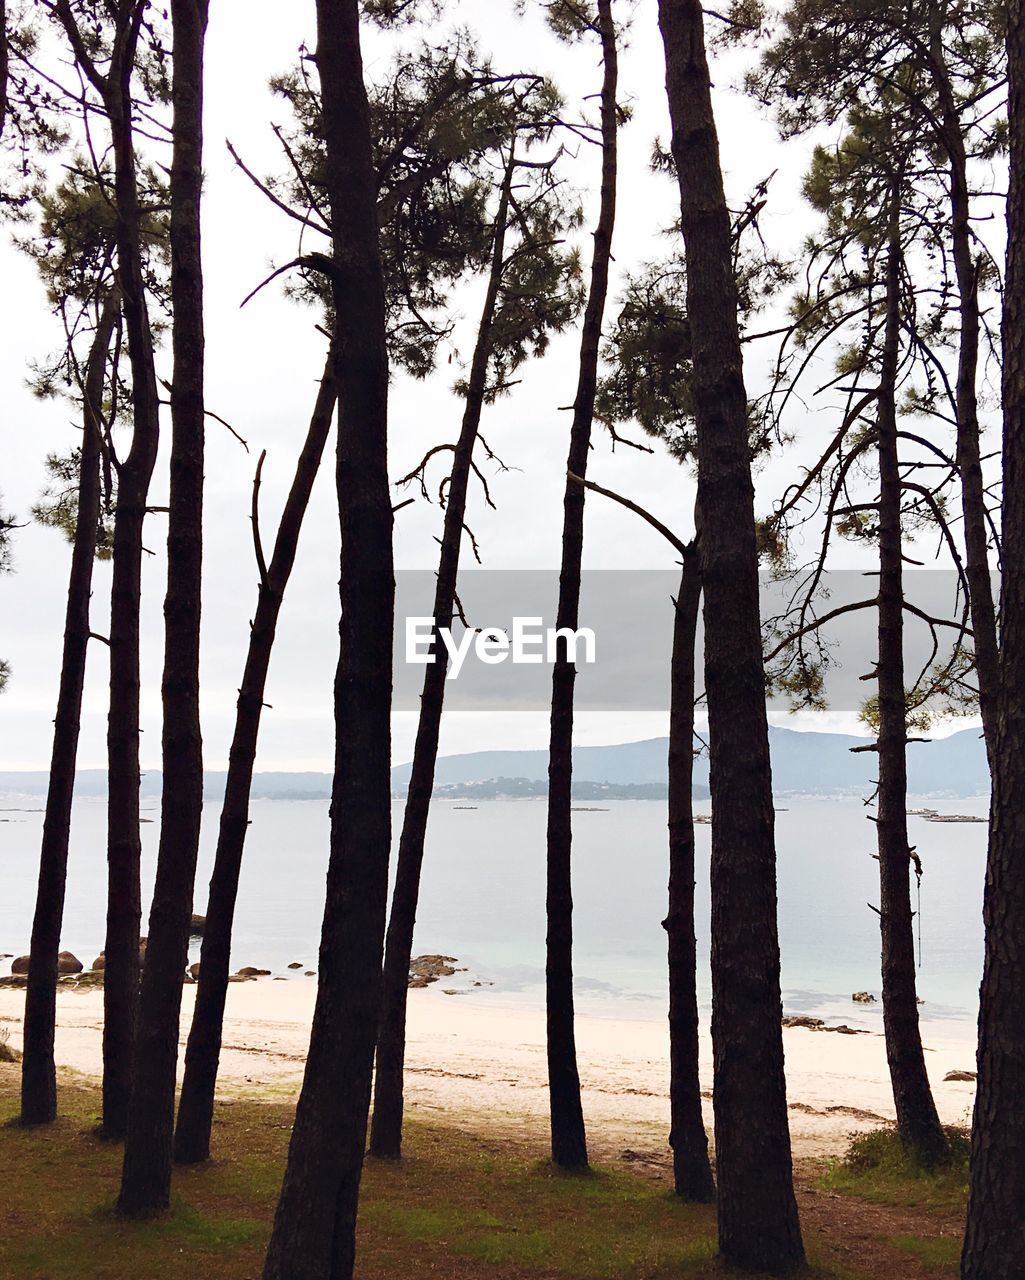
{"type": "Point", "coordinates": [483, 894]}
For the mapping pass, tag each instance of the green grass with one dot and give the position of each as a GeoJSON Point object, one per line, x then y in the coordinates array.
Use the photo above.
{"type": "Point", "coordinates": [879, 1169]}
{"type": "Point", "coordinates": [939, 1253]}
{"type": "Point", "coordinates": [466, 1204]}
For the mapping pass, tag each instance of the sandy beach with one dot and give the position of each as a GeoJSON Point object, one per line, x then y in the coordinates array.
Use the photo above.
{"type": "Point", "coordinates": [467, 1058]}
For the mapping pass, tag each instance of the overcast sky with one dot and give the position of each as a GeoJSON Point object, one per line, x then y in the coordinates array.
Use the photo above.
{"type": "Point", "coordinates": [261, 375]}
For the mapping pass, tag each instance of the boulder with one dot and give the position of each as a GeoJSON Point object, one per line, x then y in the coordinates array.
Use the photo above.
{"type": "Point", "coordinates": [20, 965]}
{"type": "Point", "coordinates": [100, 963]}
{"type": "Point", "coordinates": [310, 973]}
{"type": "Point", "coordinates": [68, 963]}
{"type": "Point", "coordinates": [863, 997]}
{"type": "Point", "coordinates": [196, 926]}
{"type": "Point", "coordinates": [424, 970]}
{"type": "Point", "coordinates": [295, 965]}
{"type": "Point", "coordinates": [248, 971]}
{"type": "Point", "coordinates": [799, 1020]}
{"type": "Point", "coordinates": [194, 970]}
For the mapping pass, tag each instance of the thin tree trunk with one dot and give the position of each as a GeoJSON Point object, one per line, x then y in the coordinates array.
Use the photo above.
{"type": "Point", "coordinates": [38, 1072]}
{"type": "Point", "coordinates": [146, 1175]}
{"type": "Point", "coordinates": [569, 1139]}
{"type": "Point", "coordinates": [969, 458]}
{"type": "Point", "coordinates": [917, 1121]}
{"type": "Point", "coordinates": [124, 849]}
{"type": "Point", "coordinates": [315, 1224]}
{"type": "Point", "coordinates": [758, 1222]}
{"type": "Point", "coordinates": [994, 1241]}
{"type": "Point", "coordinates": [386, 1127]}
{"type": "Point", "coordinates": [196, 1105]}
{"type": "Point", "coordinates": [692, 1171]}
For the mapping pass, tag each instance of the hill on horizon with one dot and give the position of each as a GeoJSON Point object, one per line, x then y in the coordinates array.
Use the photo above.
{"type": "Point", "coordinates": [804, 762]}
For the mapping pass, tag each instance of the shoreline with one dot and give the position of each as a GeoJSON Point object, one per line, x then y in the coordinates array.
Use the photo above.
{"type": "Point", "coordinates": [466, 1056]}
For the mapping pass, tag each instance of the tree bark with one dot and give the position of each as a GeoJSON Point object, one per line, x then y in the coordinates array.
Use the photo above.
{"type": "Point", "coordinates": [757, 1209]}
{"type": "Point", "coordinates": [994, 1241]}
{"type": "Point", "coordinates": [969, 458]}
{"type": "Point", "coordinates": [146, 1174]}
{"type": "Point", "coordinates": [314, 1227]}
{"type": "Point", "coordinates": [386, 1126]}
{"type": "Point", "coordinates": [196, 1105]}
{"type": "Point", "coordinates": [917, 1120]}
{"type": "Point", "coordinates": [124, 849]}
{"type": "Point", "coordinates": [569, 1139]}
{"type": "Point", "coordinates": [692, 1171]}
{"type": "Point", "coordinates": [38, 1071]}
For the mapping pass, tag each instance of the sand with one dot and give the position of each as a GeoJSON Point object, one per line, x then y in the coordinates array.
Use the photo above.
{"type": "Point", "coordinates": [471, 1060]}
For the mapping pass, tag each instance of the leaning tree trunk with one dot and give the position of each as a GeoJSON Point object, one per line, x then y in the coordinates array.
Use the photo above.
{"type": "Point", "coordinates": [386, 1127]}
{"type": "Point", "coordinates": [917, 1121]}
{"type": "Point", "coordinates": [314, 1235]}
{"type": "Point", "coordinates": [969, 457]}
{"type": "Point", "coordinates": [38, 1071]}
{"type": "Point", "coordinates": [124, 849]}
{"type": "Point", "coordinates": [994, 1241]}
{"type": "Point", "coordinates": [692, 1171]}
{"type": "Point", "coordinates": [196, 1105]}
{"type": "Point", "coordinates": [758, 1222]}
{"type": "Point", "coordinates": [146, 1175]}
{"type": "Point", "coordinates": [569, 1140]}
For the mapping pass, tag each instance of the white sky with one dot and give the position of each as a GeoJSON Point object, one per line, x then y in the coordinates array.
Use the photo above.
{"type": "Point", "coordinates": [262, 364]}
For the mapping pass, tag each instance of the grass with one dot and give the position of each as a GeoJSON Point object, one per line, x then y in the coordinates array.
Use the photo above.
{"type": "Point", "coordinates": [7, 1054]}
{"type": "Point", "coordinates": [465, 1204]}
{"type": "Point", "coordinates": [941, 1254]}
{"type": "Point", "coordinates": [879, 1169]}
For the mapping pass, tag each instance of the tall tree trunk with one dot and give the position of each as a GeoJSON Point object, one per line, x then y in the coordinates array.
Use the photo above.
{"type": "Point", "coordinates": [994, 1241]}
{"type": "Point", "coordinates": [315, 1224]}
{"type": "Point", "coordinates": [146, 1175]}
{"type": "Point", "coordinates": [569, 1140]}
{"type": "Point", "coordinates": [758, 1222]}
{"type": "Point", "coordinates": [196, 1105]}
{"type": "Point", "coordinates": [917, 1121]}
{"type": "Point", "coordinates": [124, 849]}
{"type": "Point", "coordinates": [969, 458]}
{"type": "Point", "coordinates": [38, 1072]}
{"type": "Point", "coordinates": [386, 1127]}
{"type": "Point", "coordinates": [692, 1171]}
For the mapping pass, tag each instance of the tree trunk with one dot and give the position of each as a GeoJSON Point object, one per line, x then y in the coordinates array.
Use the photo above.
{"type": "Point", "coordinates": [146, 1175]}
{"type": "Point", "coordinates": [196, 1106]}
{"type": "Point", "coordinates": [758, 1222]}
{"type": "Point", "coordinates": [917, 1121]}
{"type": "Point", "coordinates": [38, 1072]}
{"type": "Point", "coordinates": [386, 1127]}
{"type": "Point", "coordinates": [569, 1140]}
{"type": "Point", "coordinates": [314, 1227]}
{"type": "Point", "coordinates": [124, 849]}
{"type": "Point", "coordinates": [692, 1172]}
{"type": "Point", "coordinates": [994, 1241]}
{"type": "Point", "coordinates": [969, 460]}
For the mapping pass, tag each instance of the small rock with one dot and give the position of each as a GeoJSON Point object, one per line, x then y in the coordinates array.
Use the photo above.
{"type": "Point", "coordinates": [248, 971]}
{"type": "Point", "coordinates": [280, 979]}
{"type": "Point", "coordinates": [863, 997]}
{"type": "Point", "coordinates": [20, 965]}
{"type": "Point", "coordinates": [310, 973]}
{"type": "Point", "coordinates": [295, 965]}
{"type": "Point", "coordinates": [966, 1076]}
{"type": "Point", "coordinates": [803, 1020]}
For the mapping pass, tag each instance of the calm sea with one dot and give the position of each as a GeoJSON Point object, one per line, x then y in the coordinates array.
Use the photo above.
{"type": "Point", "coordinates": [483, 899]}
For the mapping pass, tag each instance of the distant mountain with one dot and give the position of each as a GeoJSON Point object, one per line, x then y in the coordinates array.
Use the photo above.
{"type": "Point", "coordinates": [803, 763]}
